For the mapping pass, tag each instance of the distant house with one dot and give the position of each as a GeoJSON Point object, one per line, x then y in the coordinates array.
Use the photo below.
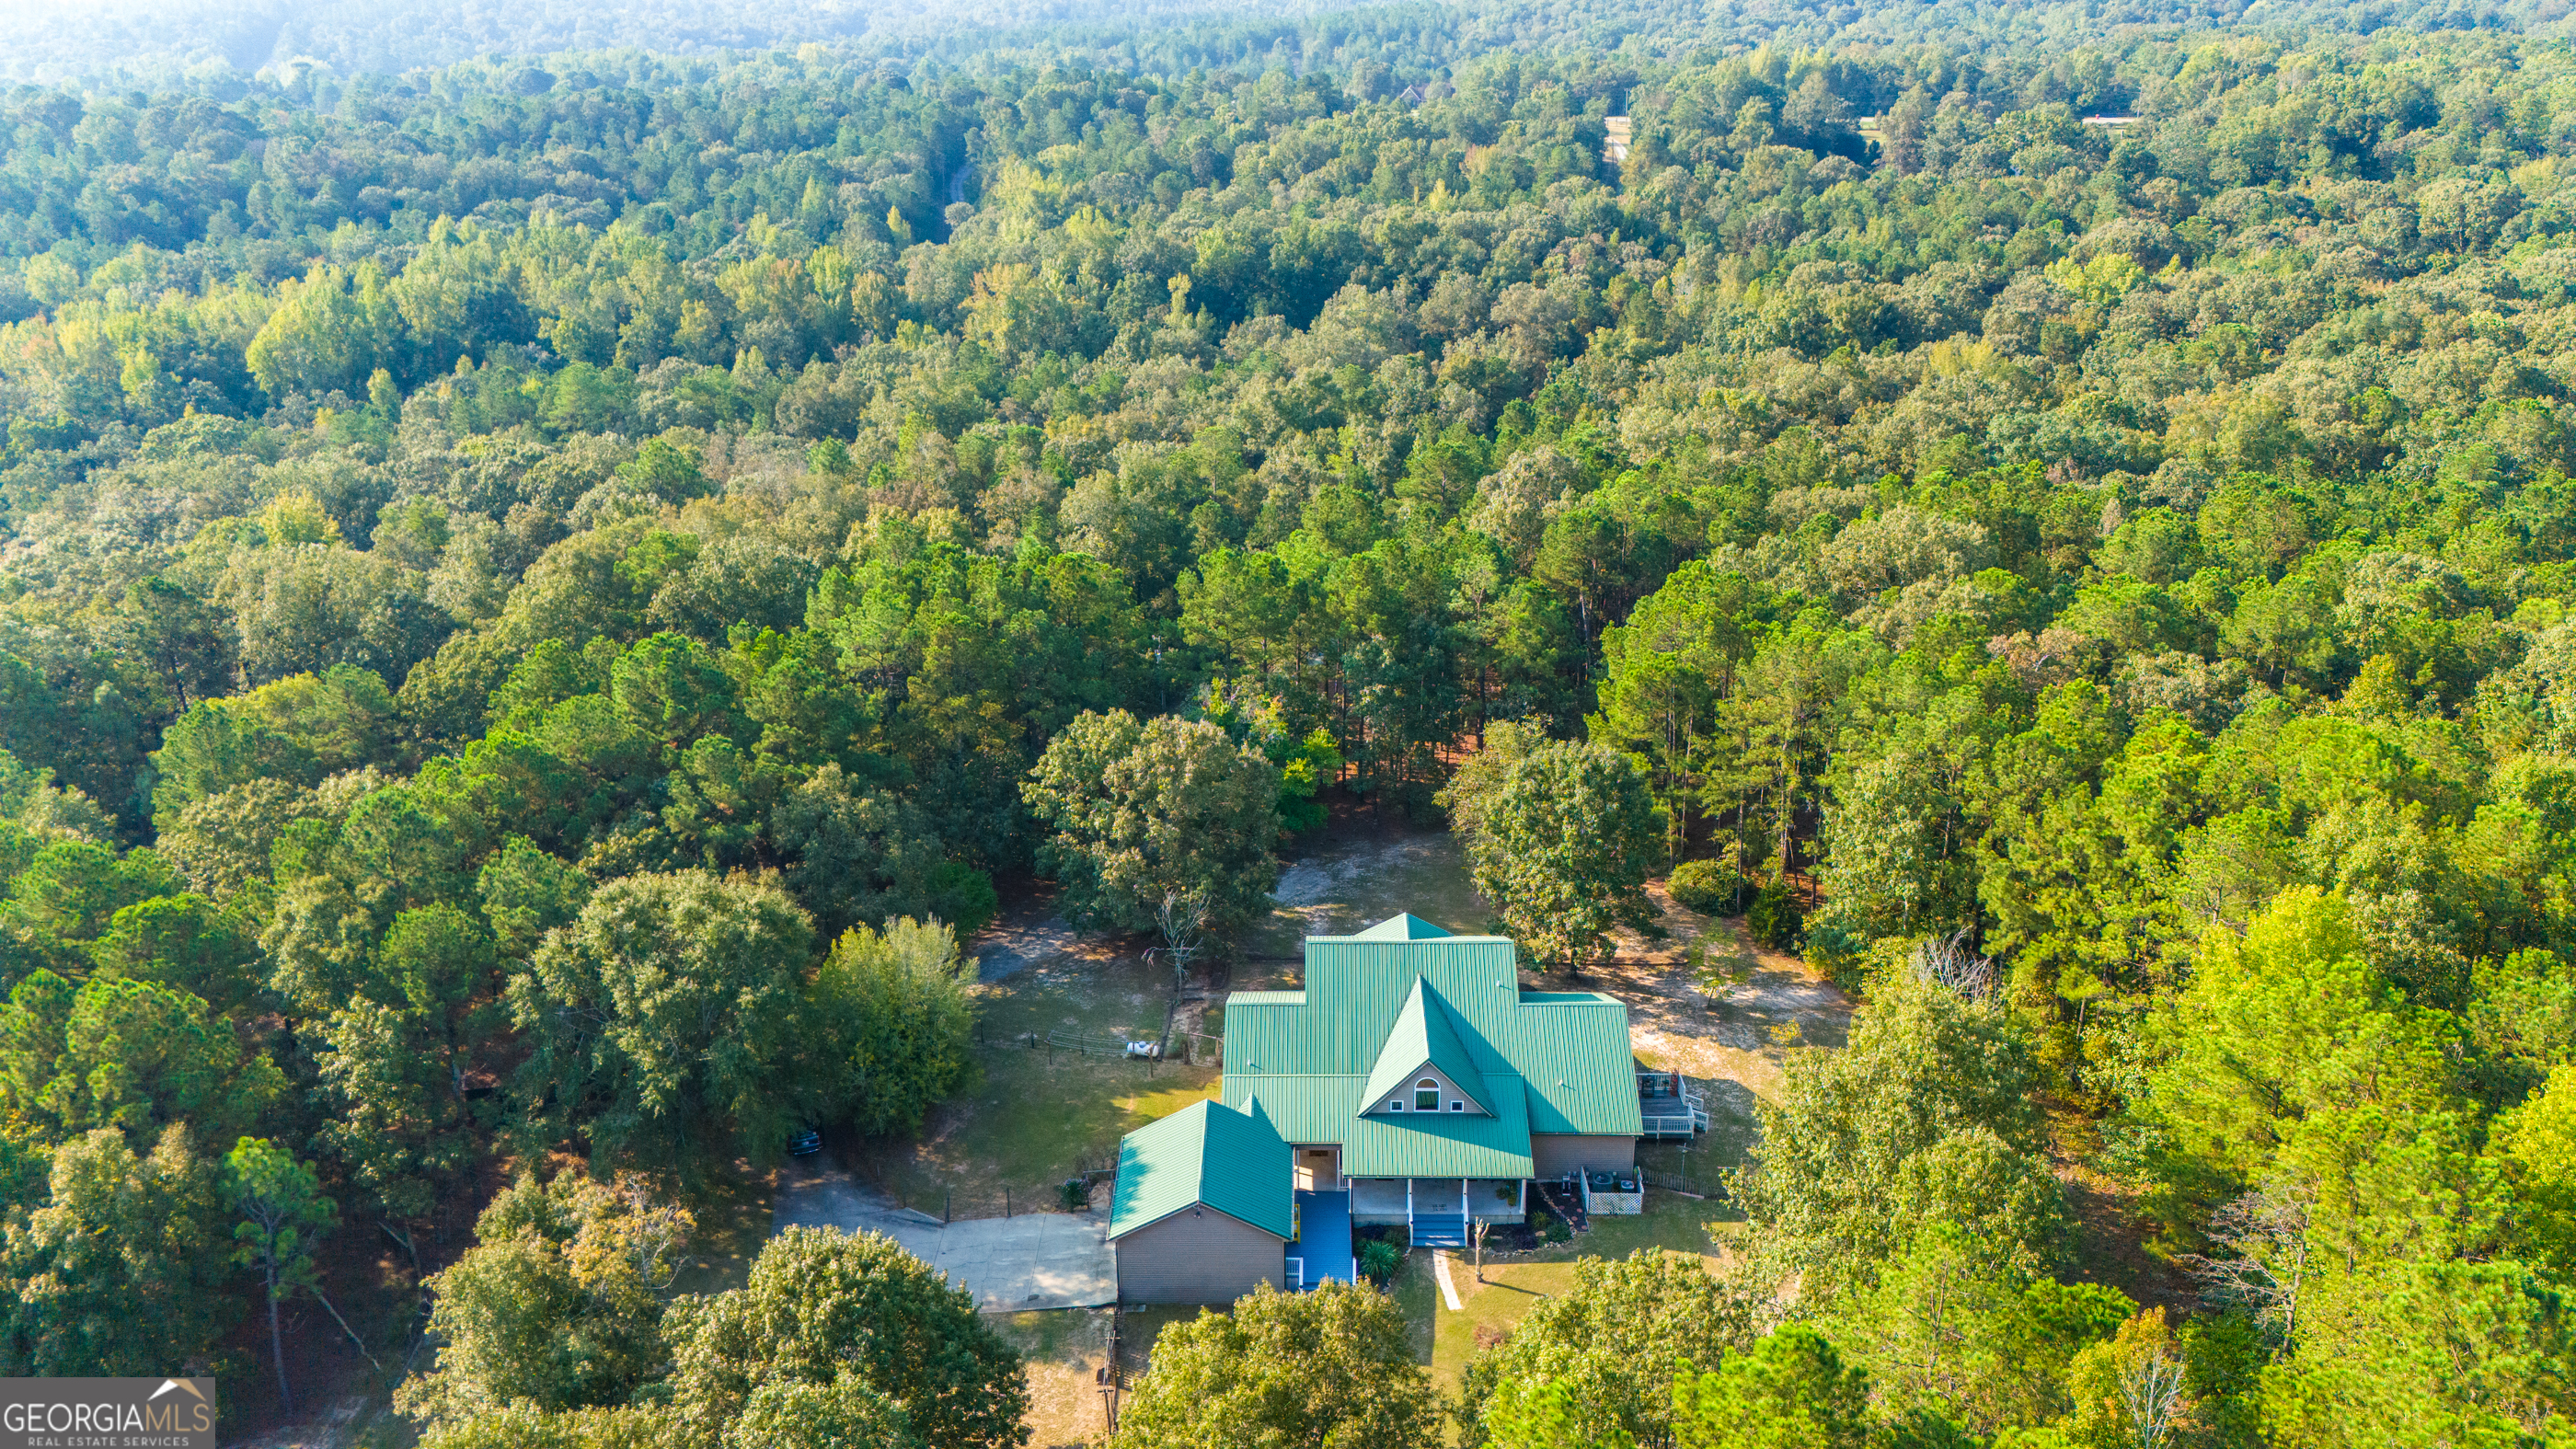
{"type": "Point", "coordinates": [1412, 1081]}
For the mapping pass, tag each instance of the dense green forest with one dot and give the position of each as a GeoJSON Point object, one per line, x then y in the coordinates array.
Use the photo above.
{"type": "Point", "coordinates": [538, 599]}
{"type": "Point", "coordinates": [310, 48]}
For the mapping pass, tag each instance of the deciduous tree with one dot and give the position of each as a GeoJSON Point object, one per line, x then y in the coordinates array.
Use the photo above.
{"type": "Point", "coordinates": [1615, 1342]}
{"type": "Point", "coordinates": [121, 1269]}
{"type": "Point", "coordinates": [558, 1305]}
{"type": "Point", "coordinates": [1142, 810]}
{"type": "Point", "coordinates": [1328, 1367]}
{"type": "Point", "coordinates": [1563, 846]}
{"type": "Point", "coordinates": [848, 1327]}
{"type": "Point", "coordinates": [662, 1018]}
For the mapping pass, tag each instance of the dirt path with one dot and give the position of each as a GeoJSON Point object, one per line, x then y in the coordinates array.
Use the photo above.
{"type": "Point", "coordinates": [1007, 948]}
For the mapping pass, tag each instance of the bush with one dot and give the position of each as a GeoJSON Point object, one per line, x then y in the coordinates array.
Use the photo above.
{"type": "Point", "coordinates": [1707, 887]}
{"type": "Point", "coordinates": [1076, 1194]}
{"type": "Point", "coordinates": [963, 896]}
{"type": "Point", "coordinates": [1774, 919]}
{"type": "Point", "coordinates": [1838, 943]}
{"type": "Point", "coordinates": [1378, 1259]}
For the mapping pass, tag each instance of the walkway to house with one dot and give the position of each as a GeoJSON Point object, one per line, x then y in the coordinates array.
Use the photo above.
{"type": "Point", "coordinates": [1323, 1243]}
{"type": "Point", "coordinates": [1010, 1265]}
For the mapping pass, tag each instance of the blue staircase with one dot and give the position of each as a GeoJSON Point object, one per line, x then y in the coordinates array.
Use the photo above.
{"type": "Point", "coordinates": [1439, 1230]}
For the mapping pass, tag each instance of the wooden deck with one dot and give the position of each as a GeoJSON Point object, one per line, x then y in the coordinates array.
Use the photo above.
{"type": "Point", "coordinates": [1670, 1105]}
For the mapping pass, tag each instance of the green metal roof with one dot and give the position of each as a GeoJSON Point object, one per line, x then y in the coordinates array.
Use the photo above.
{"type": "Point", "coordinates": [1424, 1035]}
{"type": "Point", "coordinates": [1206, 1154]}
{"type": "Point", "coordinates": [1406, 1144]}
{"type": "Point", "coordinates": [1406, 927]}
{"type": "Point", "coordinates": [1556, 1062]}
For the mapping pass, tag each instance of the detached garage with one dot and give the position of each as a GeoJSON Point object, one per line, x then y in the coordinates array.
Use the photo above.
{"type": "Point", "coordinates": [1203, 1208]}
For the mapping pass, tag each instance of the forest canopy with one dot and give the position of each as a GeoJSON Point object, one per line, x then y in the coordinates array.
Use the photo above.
{"type": "Point", "coordinates": [538, 600]}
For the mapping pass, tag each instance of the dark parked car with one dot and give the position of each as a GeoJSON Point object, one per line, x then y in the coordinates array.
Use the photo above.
{"type": "Point", "coordinates": [804, 1142]}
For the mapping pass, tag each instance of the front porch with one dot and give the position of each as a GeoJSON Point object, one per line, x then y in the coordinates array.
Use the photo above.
{"type": "Point", "coordinates": [1319, 1169]}
{"type": "Point", "coordinates": [1437, 1210]}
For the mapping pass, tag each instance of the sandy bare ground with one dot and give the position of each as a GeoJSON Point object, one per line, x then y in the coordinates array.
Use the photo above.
{"type": "Point", "coordinates": [1031, 933]}
{"type": "Point", "coordinates": [1740, 1036]}
{"type": "Point", "coordinates": [1035, 1260]}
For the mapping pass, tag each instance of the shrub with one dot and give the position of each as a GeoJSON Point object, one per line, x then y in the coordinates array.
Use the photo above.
{"type": "Point", "coordinates": [1837, 943]}
{"type": "Point", "coordinates": [963, 896]}
{"type": "Point", "coordinates": [1378, 1259]}
{"type": "Point", "coordinates": [1707, 887]}
{"type": "Point", "coordinates": [1774, 919]}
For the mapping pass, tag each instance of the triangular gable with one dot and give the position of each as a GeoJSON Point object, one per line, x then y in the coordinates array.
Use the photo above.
{"type": "Point", "coordinates": [1406, 927]}
{"type": "Point", "coordinates": [1424, 1036]}
{"type": "Point", "coordinates": [1309, 1056]}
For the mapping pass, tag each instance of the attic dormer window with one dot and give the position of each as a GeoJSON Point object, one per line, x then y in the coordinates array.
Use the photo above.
{"type": "Point", "coordinates": [1426, 1095]}
{"type": "Point", "coordinates": [1457, 1106]}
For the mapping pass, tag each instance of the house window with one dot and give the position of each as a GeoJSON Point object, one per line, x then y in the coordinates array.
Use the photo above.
{"type": "Point", "coordinates": [1426, 1096]}
{"type": "Point", "coordinates": [1396, 1105]}
{"type": "Point", "coordinates": [1457, 1106]}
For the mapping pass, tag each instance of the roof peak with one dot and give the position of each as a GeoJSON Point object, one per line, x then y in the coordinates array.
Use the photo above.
{"type": "Point", "coordinates": [1210, 1154]}
{"type": "Point", "coordinates": [1404, 927]}
{"type": "Point", "coordinates": [1424, 1034]}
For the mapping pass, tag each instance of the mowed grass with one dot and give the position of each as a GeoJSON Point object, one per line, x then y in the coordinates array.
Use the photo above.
{"type": "Point", "coordinates": [1039, 1116]}
{"type": "Point", "coordinates": [1517, 1284]}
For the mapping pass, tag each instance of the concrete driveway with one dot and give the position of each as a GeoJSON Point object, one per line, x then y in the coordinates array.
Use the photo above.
{"type": "Point", "coordinates": [1011, 1265]}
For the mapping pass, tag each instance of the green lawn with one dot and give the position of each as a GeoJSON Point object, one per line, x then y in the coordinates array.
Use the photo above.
{"type": "Point", "coordinates": [1418, 1294]}
{"type": "Point", "coordinates": [1514, 1285]}
{"type": "Point", "coordinates": [1039, 1116]}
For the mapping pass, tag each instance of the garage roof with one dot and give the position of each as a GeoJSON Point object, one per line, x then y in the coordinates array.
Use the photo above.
{"type": "Point", "coordinates": [1205, 1155]}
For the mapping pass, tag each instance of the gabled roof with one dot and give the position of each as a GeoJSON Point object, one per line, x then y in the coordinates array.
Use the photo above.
{"type": "Point", "coordinates": [1205, 1155]}
{"type": "Point", "coordinates": [1407, 1144]}
{"type": "Point", "coordinates": [1571, 1047]}
{"type": "Point", "coordinates": [1406, 927]}
{"type": "Point", "coordinates": [1424, 1035]}
{"type": "Point", "coordinates": [1311, 1060]}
